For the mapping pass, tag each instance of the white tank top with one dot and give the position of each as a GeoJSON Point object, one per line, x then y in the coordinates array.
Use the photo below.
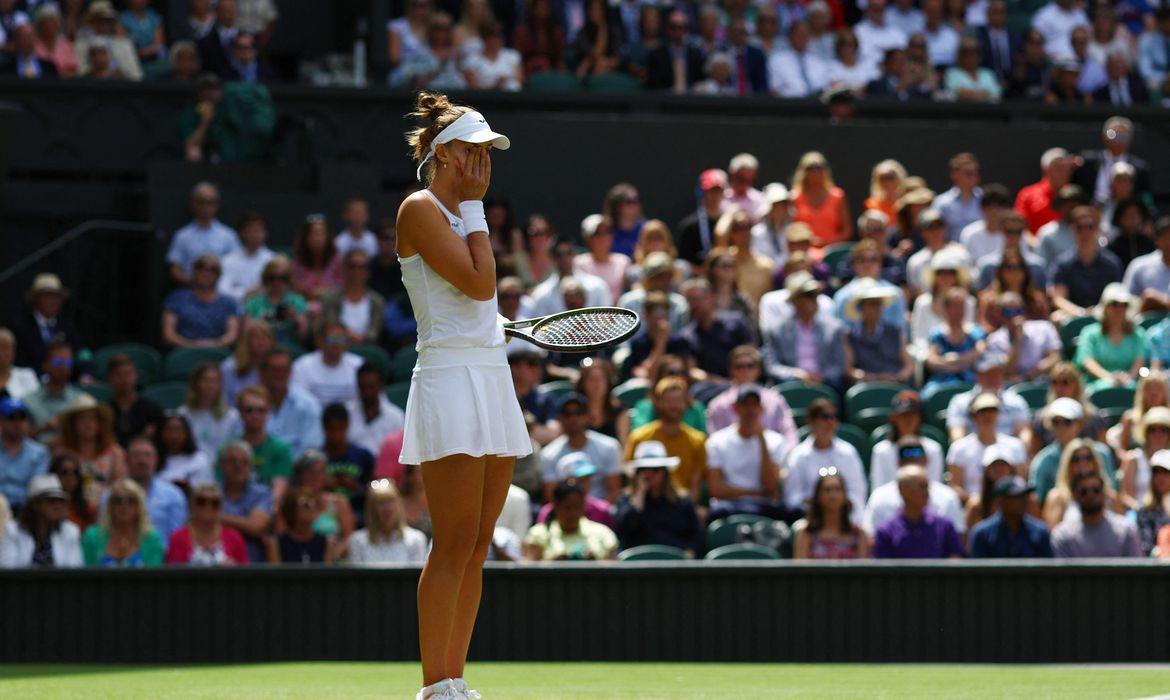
{"type": "Point", "coordinates": [448, 318]}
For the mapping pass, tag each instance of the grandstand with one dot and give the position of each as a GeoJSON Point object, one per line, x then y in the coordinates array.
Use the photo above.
{"type": "Point", "coordinates": [900, 390]}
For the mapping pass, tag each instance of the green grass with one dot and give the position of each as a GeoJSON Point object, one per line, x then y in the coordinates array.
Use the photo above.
{"type": "Point", "coordinates": [584, 681]}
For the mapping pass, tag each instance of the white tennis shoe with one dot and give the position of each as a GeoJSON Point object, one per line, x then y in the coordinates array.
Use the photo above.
{"type": "Point", "coordinates": [443, 690]}
{"type": "Point", "coordinates": [460, 686]}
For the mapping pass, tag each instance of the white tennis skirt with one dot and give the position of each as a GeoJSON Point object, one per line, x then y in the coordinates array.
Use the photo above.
{"type": "Point", "coordinates": [462, 402]}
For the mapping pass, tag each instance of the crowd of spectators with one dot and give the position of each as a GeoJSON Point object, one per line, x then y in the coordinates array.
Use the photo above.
{"type": "Point", "coordinates": [963, 50]}
{"type": "Point", "coordinates": [1016, 344]}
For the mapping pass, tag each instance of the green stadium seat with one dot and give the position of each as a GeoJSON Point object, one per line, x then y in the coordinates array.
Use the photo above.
{"type": "Point", "coordinates": [1150, 319]}
{"type": "Point", "coordinates": [404, 360]}
{"type": "Point", "coordinates": [867, 396]}
{"type": "Point", "coordinates": [1112, 415]}
{"type": "Point", "coordinates": [857, 437]}
{"type": "Point", "coordinates": [374, 355]}
{"type": "Point", "coordinates": [742, 550]}
{"type": "Point", "coordinates": [293, 349]}
{"type": "Point", "coordinates": [180, 362]}
{"type": "Point", "coordinates": [1113, 397]}
{"type": "Point", "coordinates": [100, 391]}
{"type": "Point", "coordinates": [835, 253]}
{"type": "Point", "coordinates": [1070, 330]}
{"type": "Point", "coordinates": [869, 418]}
{"type": "Point", "coordinates": [1035, 393]}
{"type": "Point", "coordinates": [936, 403]}
{"type": "Point", "coordinates": [720, 533]}
{"type": "Point", "coordinates": [652, 552]}
{"type": "Point", "coordinates": [553, 81]}
{"type": "Point", "coordinates": [631, 392]}
{"type": "Point", "coordinates": [397, 393]}
{"type": "Point", "coordinates": [800, 395]}
{"type": "Point", "coordinates": [148, 361]}
{"type": "Point", "coordinates": [557, 387]}
{"type": "Point", "coordinates": [926, 430]}
{"type": "Point", "coordinates": [748, 518]}
{"type": "Point", "coordinates": [168, 395]}
{"type": "Point", "coordinates": [613, 82]}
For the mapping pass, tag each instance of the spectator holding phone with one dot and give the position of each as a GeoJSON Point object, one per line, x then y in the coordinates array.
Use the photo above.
{"type": "Point", "coordinates": [651, 510]}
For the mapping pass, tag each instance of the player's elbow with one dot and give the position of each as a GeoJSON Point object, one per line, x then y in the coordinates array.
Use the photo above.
{"type": "Point", "coordinates": [481, 292]}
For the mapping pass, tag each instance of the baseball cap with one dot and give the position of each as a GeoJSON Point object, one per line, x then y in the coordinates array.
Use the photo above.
{"type": "Point", "coordinates": [1160, 460]}
{"type": "Point", "coordinates": [711, 179]}
{"type": "Point", "coordinates": [1012, 486]}
{"type": "Point", "coordinates": [10, 406]}
{"type": "Point", "coordinates": [1064, 407]}
{"type": "Point", "coordinates": [906, 401]}
{"type": "Point", "coordinates": [983, 402]}
{"type": "Point", "coordinates": [746, 392]}
{"type": "Point", "coordinates": [571, 397]}
{"type": "Point", "coordinates": [995, 453]}
{"type": "Point", "coordinates": [575, 465]}
{"type": "Point", "coordinates": [45, 485]}
{"type": "Point", "coordinates": [651, 454]}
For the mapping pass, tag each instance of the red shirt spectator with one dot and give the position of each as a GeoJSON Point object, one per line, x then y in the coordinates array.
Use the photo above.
{"type": "Point", "coordinates": [1034, 202]}
{"type": "Point", "coordinates": [181, 549]}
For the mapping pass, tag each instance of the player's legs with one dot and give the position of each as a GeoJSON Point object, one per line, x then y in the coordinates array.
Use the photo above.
{"type": "Point", "coordinates": [454, 486]}
{"type": "Point", "coordinates": [497, 479]}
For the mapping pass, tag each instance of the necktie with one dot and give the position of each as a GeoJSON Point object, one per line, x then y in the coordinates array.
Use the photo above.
{"type": "Point", "coordinates": [680, 70]}
{"type": "Point", "coordinates": [1123, 93]}
{"type": "Point", "coordinates": [741, 84]}
{"type": "Point", "coordinates": [1001, 52]}
{"type": "Point", "coordinates": [804, 75]}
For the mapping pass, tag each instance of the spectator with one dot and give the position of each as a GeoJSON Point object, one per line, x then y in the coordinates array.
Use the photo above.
{"type": "Point", "coordinates": [867, 259]}
{"type": "Point", "coordinates": [916, 532]}
{"type": "Point", "coordinates": [43, 324]}
{"type": "Point", "coordinates": [1030, 72]}
{"type": "Point", "coordinates": [578, 468]}
{"type": "Point", "coordinates": [674, 64]}
{"type": "Point", "coordinates": [1032, 345]}
{"type": "Point", "coordinates": [569, 536]}
{"type": "Point", "coordinates": [896, 82]}
{"type": "Point", "coordinates": [743, 462]}
{"type": "Point", "coordinates": [497, 67]}
{"type": "Point", "coordinates": [203, 126]}
{"type": "Point", "coordinates": [350, 467]}
{"type": "Point", "coordinates": [1136, 464]}
{"type": "Point", "coordinates": [1108, 34]}
{"type": "Point", "coordinates": [87, 432]}
{"type": "Point", "coordinates": [241, 369]}
{"type": "Point", "coordinates": [873, 225]}
{"type": "Point", "coordinates": [247, 504]}
{"type": "Point", "coordinates": [742, 171]}
{"type": "Point", "coordinates": [243, 267]}
{"type": "Point", "coordinates": [132, 414]}
{"type": "Point", "coordinates": [56, 394]}
{"type": "Point", "coordinates": [998, 45]}
{"type": "Point", "coordinates": [316, 266]}
{"type": "Point", "coordinates": [1064, 85]}
{"type": "Point", "coordinates": [753, 270]}
{"type": "Point", "coordinates": [1055, 21]}
{"type": "Point", "coordinates": [874, 349]}
{"type": "Point", "coordinates": [354, 306]}
{"type": "Point", "coordinates": [541, 40]}
{"type": "Point", "coordinates": [1034, 202]}
{"type": "Point", "coordinates": [906, 418]}
{"type": "Point", "coordinates": [847, 69]}
{"type": "Point", "coordinates": [603, 451]}
{"type": "Point", "coordinates": [212, 419]}
{"type": "Point", "coordinates": [22, 59]}
{"type": "Point", "coordinates": [961, 204]}
{"type": "Point", "coordinates": [658, 272]}
{"type": "Point", "coordinates": [818, 202]}
{"type": "Point", "coordinates": [1129, 227]}
{"type": "Point", "coordinates": [671, 406]}
{"type": "Point", "coordinates": [50, 43]}
{"type": "Point", "coordinates": [165, 502]}
{"type": "Point", "coordinates": [283, 310]}
{"type": "Point", "coordinates": [776, 306]}
{"type": "Point", "coordinates": [1011, 533]}
{"type": "Point", "coordinates": [745, 369]}
{"type": "Point", "coordinates": [1153, 49]}
{"type": "Point", "coordinates": [533, 260]}
{"type": "Point", "coordinates": [1066, 381]}
{"type": "Point", "coordinates": [329, 374]}
{"type": "Point", "coordinates": [821, 24]}
{"type": "Point", "coordinates": [201, 317]}
{"type": "Point", "coordinates": [886, 500]}
{"type": "Point", "coordinates": [214, 44]}
{"type": "Point", "coordinates": [599, 44]}
{"type": "Point", "coordinates": [355, 215]}
{"type": "Point", "coordinates": [651, 510]}
{"type": "Point", "coordinates": [547, 297]}
{"type": "Point", "coordinates": [21, 458]}
{"type": "Point", "coordinates": [768, 237]}
{"type": "Point", "coordinates": [696, 232]}
{"type": "Point", "coordinates": [828, 530]}
{"type": "Point", "coordinates": [125, 537]}
{"type": "Point", "coordinates": [184, 63]}
{"type": "Point", "coordinates": [809, 346]}
{"type": "Point", "coordinates": [302, 543]}
{"type": "Point", "coordinates": [1152, 391]}
{"type": "Point", "coordinates": [243, 65]}
{"type": "Point", "coordinates": [1111, 351]}
{"type": "Point", "coordinates": [82, 510]}
{"type": "Point", "coordinates": [1080, 277]}
{"type": "Point", "coordinates": [271, 456]}
{"type": "Point", "coordinates": [1056, 237]}
{"type": "Point", "coordinates": [102, 30]}
{"type": "Point", "coordinates": [877, 36]}
{"type": "Point", "coordinates": [749, 74]}
{"type": "Point", "coordinates": [372, 418]}
{"type": "Point", "coordinates": [595, 382]}
{"type": "Point", "coordinates": [623, 207]}
{"type": "Point", "coordinates": [722, 276]}
{"type": "Point", "coordinates": [1125, 88]}
{"type": "Point", "coordinates": [946, 282]}
{"type": "Point", "coordinates": [526, 364]}
{"type": "Point", "coordinates": [1152, 516]}
{"type": "Point", "coordinates": [15, 382]}
{"type": "Point", "coordinates": [205, 235]}
{"type": "Point", "coordinates": [942, 39]}
{"type": "Point", "coordinates": [386, 539]}
{"type": "Point", "coordinates": [332, 514]}
{"type": "Point", "coordinates": [933, 230]}
{"type": "Point", "coordinates": [1017, 275]}
{"type": "Point", "coordinates": [183, 464]}
{"type": "Point", "coordinates": [601, 261]}
{"type": "Point", "coordinates": [796, 72]}
{"type": "Point", "coordinates": [1148, 276]}
{"type": "Point", "coordinates": [144, 27]}
{"type": "Point", "coordinates": [200, 19]}
{"type": "Point", "coordinates": [905, 237]}
{"type": "Point", "coordinates": [1098, 532]}
{"type": "Point", "coordinates": [258, 18]}
{"type": "Point", "coordinates": [1009, 244]}
{"type": "Point", "coordinates": [385, 270]}
{"type": "Point", "coordinates": [205, 540]}
{"type": "Point", "coordinates": [1078, 459]}
{"type": "Point", "coordinates": [985, 502]}
{"type": "Point", "coordinates": [970, 454]}
{"type": "Point", "coordinates": [42, 535]}
{"type": "Point", "coordinates": [823, 448]}
{"type": "Point", "coordinates": [712, 334]}
{"type": "Point", "coordinates": [406, 38]}
{"type": "Point", "coordinates": [885, 187]}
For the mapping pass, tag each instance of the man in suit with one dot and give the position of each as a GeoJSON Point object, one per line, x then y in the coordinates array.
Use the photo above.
{"type": "Point", "coordinates": [214, 46]}
{"type": "Point", "coordinates": [244, 66]}
{"type": "Point", "coordinates": [997, 44]}
{"type": "Point", "coordinates": [749, 66]}
{"type": "Point", "coordinates": [22, 61]}
{"type": "Point", "coordinates": [895, 83]}
{"type": "Point", "coordinates": [1093, 169]}
{"type": "Point", "coordinates": [43, 323]}
{"type": "Point", "coordinates": [807, 347]}
{"type": "Point", "coordinates": [1124, 88]}
{"type": "Point", "coordinates": [675, 65]}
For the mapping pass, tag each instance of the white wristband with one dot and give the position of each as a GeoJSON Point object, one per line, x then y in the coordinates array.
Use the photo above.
{"type": "Point", "coordinates": [473, 217]}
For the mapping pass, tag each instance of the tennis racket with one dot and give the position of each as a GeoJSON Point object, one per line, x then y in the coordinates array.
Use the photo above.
{"type": "Point", "coordinates": [578, 330]}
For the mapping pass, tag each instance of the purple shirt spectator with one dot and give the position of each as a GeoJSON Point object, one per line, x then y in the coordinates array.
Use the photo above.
{"type": "Point", "coordinates": [932, 537]}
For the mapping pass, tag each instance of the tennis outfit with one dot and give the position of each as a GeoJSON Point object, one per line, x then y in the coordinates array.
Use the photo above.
{"type": "Point", "coordinates": [461, 397]}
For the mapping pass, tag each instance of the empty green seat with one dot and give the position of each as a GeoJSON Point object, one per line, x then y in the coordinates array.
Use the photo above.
{"type": "Point", "coordinates": [742, 550]}
{"type": "Point", "coordinates": [168, 395]}
{"type": "Point", "coordinates": [1034, 393]}
{"type": "Point", "coordinates": [652, 552]}
{"type": "Point", "coordinates": [553, 81]}
{"type": "Point", "coordinates": [557, 387]}
{"type": "Point", "coordinates": [1112, 397]}
{"type": "Point", "coordinates": [100, 391]}
{"type": "Point", "coordinates": [1070, 330]}
{"type": "Point", "coordinates": [936, 403]}
{"type": "Point", "coordinates": [631, 392]}
{"type": "Point", "coordinates": [180, 361]}
{"type": "Point", "coordinates": [871, 395]}
{"type": "Point", "coordinates": [397, 393]}
{"type": "Point", "coordinates": [835, 253]}
{"type": "Point", "coordinates": [799, 395]}
{"type": "Point", "coordinates": [374, 355]}
{"type": "Point", "coordinates": [148, 361]}
{"type": "Point", "coordinates": [613, 82]}
{"type": "Point", "coordinates": [720, 533]}
{"type": "Point", "coordinates": [404, 361]}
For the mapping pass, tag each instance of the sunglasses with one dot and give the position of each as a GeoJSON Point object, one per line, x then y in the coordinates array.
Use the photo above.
{"type": "Point", "coordinates": [1087, 490]}
{"type": "Point", "coordinates": [120, 500]}
{"type": "Point", "coordinates": [278, 278]}
{"type": "Point", "coordinates": [61, 362]}
{"type": "Point", "coordinates": [248, 410]}
{"type": "Point", "coordinates": [206, 501]}
{"type": "Point", "coordinates": [1061, 422]}
{"type": "Point", "coordinates": [304, 503]}
{"type": "Point", "coordinates": [674, 373]}
{"type": "Point", "coordinates": [1082, 457]}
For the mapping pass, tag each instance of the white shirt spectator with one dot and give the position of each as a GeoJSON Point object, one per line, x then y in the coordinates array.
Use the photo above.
{"type": "Point", "coordinates": [17, 547]}
{"type": "Point", "coordinates": [506, 541]}
{"type": "Point", "coordinates": [910, 20]}
{"type": "Point", "coordinates": [603, 451]}
{"type": "Point", "coordinates": [212, 432]}
{"type": "Point", "coordinates": [883, 462]}
{"type": "Point", "coordinates": [1056, 24]}
{"type": "Point", "coordinates": [967, 452]}
{"type": "Point", "coordinates": [1147, 271]}
{"type": "Point", "coordinates": [942, 45]}
{"type": "Point", "coordinates": [346, 241]}
{"type": "Point", "coordinates": [409, 547]}
{"type": "Point", "coordinates": [775, 309]}
{"type": "Point", "coordinates": [874, 41]}
{"type": "Point", "coordinates": [191, 469]}
{"type": "Point", "coordinates": [488, 73]}
{"type": "Point", "coordinates": [805, 463]}
{"type": "Point", "coordinates": [355, 315]}
{"type": "Point", "coordinates": [792, 74]}
{"type": "Point", "coordinates": [1013, 411]}
{"type": "Point", "coordinates": [919, 263]}
{"type": "Point", "coordinates": [337, 384]}
{"type": "Point", "coordinates": [369, 435]}
{"type": "Point", "coordinates": [886, 501]}
{"type": "Point", "coordinates": [739, 457]}
{"type": "Point", "coordinates": [516, 517]}
{"type": "Point", "coordinates": [856, 76]}
{"type": "Point", "coordinates": [548, 299]}
{"type": "Point", "coordinates": [242, 270]}
{"type": "Point", "coordinates": [924, 320]}
{"type": "Point", "coordinates": [22, 381]}
{"type": "Point", "coordinates": [194, 240]}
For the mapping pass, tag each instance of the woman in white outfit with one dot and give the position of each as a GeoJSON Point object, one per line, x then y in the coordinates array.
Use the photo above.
{"type": "Point", "coordinates": [464, 426]}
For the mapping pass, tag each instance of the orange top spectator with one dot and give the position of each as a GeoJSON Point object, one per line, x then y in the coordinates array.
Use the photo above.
{"type": "Point", "coordinates": [885, 188]}
{"type": "Point", "coordinates": [819, 203]}
{"type": "Point", "coordinates": [1034, 202]}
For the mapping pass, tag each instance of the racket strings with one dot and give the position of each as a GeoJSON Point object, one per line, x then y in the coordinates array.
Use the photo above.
{"type": "Point", "coordinates": [586, 329]}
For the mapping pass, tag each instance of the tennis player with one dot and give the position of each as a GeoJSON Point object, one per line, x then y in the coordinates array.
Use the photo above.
{"type": "Point", "coordinates": [464, 425]}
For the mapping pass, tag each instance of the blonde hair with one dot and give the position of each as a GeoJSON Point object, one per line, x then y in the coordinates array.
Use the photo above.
{"type": "Point", "coordinates": [888, 165]}
{"type": "Point", "coordinates": [131, 487]}
{"type": "Point", "coordinates": [436, 112]}
{"type": "Point", "coordinates": [219, 408]}
{"type": "Point", "coordinates": [654, 227]}
{"type": "Point", "coordinates": [1069, 371]}
{"type": "Point", "coordinates": [1139, 403]}
{"type": "Point", "coordinates": [243, 352]}
{"type": "Point", "coordinates": [807, 161]}
{"type": "Point", "coordinates": [379, 491]}
{"type": "Point", "coordinates": [1063, 486]}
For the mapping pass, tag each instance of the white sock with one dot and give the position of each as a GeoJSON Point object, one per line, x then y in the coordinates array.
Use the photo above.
{"type": "Point", "coordinates": [436, 688]}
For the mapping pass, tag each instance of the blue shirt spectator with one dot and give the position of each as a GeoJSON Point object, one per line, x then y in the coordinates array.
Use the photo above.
{"type": "Point", "coordinates": [995, 539]}
{"type": "Point", "coordinates": [1154, 50]}
{"type": "Point", "coordinates": [201, 319]}
{"type": "Point", "coordinates": [167, 506]}
{"type": "Point", "coordinates": [21, 458]}
{"type": "Point", "coordinates": [297, 421]}
{"type": "Point", "coordinates": [205, 235]}
{"type": "Point", "coordinates": [254, 495]}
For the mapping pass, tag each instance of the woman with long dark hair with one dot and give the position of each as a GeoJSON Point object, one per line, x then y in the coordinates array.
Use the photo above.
{"type": "Point", "coordinates": [82, 512]}
{"type": "Point", "coordinates": [316, 266]}
{"type": "Point", "coordinates": [180, 460]}
{"type": "Point", "coordinates": [828, 532]}
{"type": "Point", "coordinates": [540, 40]}
{"type": "Point", "coordinates": [595, 383]}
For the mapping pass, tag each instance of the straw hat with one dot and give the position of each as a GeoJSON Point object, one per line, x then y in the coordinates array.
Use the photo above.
{"type": "Point", "coordinates": [949, 258]}
{"type": "Point", "coordinates": [868, 290]}
{"type": "Point", "coordinates": [46, 283]}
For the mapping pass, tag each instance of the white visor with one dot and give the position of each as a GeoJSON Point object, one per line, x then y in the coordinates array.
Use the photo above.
{"type": "Point", "coordinates": [470, 127]}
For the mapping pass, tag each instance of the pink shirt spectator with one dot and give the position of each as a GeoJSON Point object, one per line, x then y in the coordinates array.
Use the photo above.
{"type": "Point", "coordinates": [231, 550]}
{"type": "Point", "coordinates": [61, 54]}
{"type": "Point", "coordinates": [596, 509]}
{"type": "Point", "coordinates": [312, 283]}
{"type": "Point", "coordinates": [806, 348]}
{"type": "Point", "coordinates": [613, 271]}
{"type": "Point", "coordinates": [387, 466]}
{"type": "Point", "coordinates": [777, 414]}
{"type": "Point", "coordinates": [751, 201]}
